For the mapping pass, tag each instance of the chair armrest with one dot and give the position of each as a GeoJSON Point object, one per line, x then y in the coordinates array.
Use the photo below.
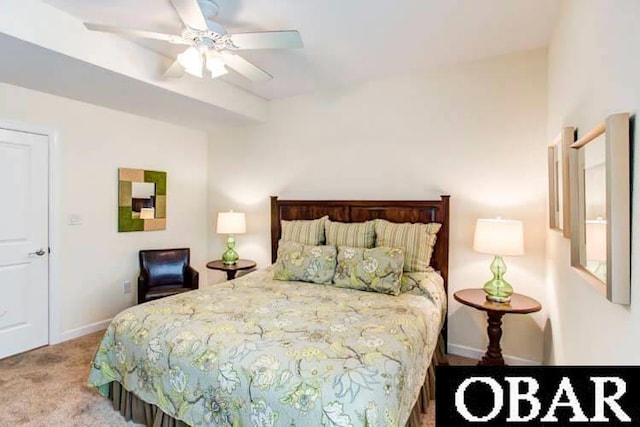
{"type": "Point", "coordinates": [192, 278]}
{"type": "Point", "coordinates": [142, 287]}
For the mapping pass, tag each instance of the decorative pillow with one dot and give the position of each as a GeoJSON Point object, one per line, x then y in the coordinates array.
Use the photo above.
{"type": "Point", "coordinates": [417, 241]}
{"type": "Point", "coordinates": [305, 232]}
{"type": "Point", "coordinates": [305, 263]}
{"type": "Point", "coordinates": [377, 270]}
{"type": "Point", "coordinates": [354, 234]}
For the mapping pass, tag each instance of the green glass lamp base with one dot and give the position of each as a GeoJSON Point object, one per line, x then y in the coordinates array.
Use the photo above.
{"type": "Point", "coordinates": [230, 256]}
{"type": "Point", "coordinates": [502, 300]}
{"type": "Point", "coordinates": [498, 289]}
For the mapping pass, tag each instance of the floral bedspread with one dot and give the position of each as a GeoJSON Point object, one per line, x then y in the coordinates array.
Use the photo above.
{"type": "Point", "coordinates": [260, 352]}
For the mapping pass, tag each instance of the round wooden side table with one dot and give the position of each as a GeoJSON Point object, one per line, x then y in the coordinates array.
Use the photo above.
{"type": "Point", "coordinates": [519, 304]}
{"type": "Point", "coordinates": [231, 269]}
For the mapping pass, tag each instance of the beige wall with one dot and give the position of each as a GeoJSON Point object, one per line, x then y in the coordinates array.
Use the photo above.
{"type": "Point", "coordinates": [473, 131]}
{"type": "Point", "coordinates": [93, 143]}
{"type": "Point", "coordinates": [593, 72]}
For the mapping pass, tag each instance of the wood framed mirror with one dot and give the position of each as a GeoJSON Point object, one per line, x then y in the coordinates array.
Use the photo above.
{"type": "Point", "coordinates": [559, 194]}
{"type": "Point", "coordinates": [142, 200]}
{"type": "Point", "coordinates": [601, 207]}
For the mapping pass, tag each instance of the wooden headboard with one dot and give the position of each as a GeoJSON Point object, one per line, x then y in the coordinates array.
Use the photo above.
{"type": "Point", "coordinates": [365, 210]}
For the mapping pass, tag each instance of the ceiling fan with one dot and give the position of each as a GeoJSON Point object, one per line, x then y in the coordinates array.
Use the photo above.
{"type": "Point", "coordinates": [210, 47]}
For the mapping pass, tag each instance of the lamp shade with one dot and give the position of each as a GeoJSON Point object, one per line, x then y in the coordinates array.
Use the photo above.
{"type": "Point", "coordinates": [596, 230]}
{"type": "Point", "coordinates": [231, 223]}
{"type": "Point", "coordinates": [499, 237]}
{"type": "Point", "coordinates": [215, 64]}
{"type": "Point", "coordinates": [191, 60]}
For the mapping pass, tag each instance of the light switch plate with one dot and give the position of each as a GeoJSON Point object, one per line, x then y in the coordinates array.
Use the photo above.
{"type": "Point", "coordinates": [75, 219]}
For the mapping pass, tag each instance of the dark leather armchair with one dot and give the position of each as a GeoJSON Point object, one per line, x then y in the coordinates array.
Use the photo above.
{"type": "Point", "coordinates": [165, 272]}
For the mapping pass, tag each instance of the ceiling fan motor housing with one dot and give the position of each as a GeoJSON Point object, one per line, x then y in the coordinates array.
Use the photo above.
{"type": "Point", "coordinates": [216, 28]}
{"type": "Point", "coordinates": [209, 8]}
{"type": "Point", "coordinates": [206, 39]}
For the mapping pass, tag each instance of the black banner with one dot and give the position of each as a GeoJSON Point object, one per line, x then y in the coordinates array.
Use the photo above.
{"type": "Point", "coordinates": [545, 395]}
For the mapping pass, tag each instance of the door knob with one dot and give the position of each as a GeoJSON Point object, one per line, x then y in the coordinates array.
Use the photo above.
{"type": "Point", "coordinates": [39, 252]}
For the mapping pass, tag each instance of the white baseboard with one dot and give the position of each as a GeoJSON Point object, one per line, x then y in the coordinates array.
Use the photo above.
{"type": "Point", "coordinates": [84, 330]}
{"type": "Point", "coordinates": [474, 353]}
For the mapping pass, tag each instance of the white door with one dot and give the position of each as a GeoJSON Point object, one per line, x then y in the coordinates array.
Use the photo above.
{"type": "Point", "coordinates": [24, 242]}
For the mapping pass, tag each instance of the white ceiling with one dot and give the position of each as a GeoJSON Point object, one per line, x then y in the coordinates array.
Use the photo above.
{"type": "Point", "coordinates": [348, 41]}
{"type": "Point", "coordinates": [72, 78]}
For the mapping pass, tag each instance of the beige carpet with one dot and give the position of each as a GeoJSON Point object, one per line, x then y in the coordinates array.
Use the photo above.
{"type": "Point", "coordinates": [47, 387]}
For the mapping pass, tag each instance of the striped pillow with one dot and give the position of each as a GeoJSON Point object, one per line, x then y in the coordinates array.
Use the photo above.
{"type": "Point", "coordinates": [305, 232]}
{"type": "Point", "coordinates": [417, 240]}
{"type": "Point", "coordinates": [354, 234]}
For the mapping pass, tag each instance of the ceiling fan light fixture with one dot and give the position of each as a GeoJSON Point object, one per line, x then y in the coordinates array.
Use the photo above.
{"type": "Point", "coordinates": [215, 64]}
{"type": "Point", "coordinates": [191, 60]}
{"type": "Point", "coordinates": [218, 71]}
{"type": "Point", "coordinates": [208, 43]}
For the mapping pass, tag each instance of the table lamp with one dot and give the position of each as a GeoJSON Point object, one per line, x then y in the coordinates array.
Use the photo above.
{"type": "Point", "coordinates": [498, 237]}
{"type": "Point", "coordinates": [230, 223]}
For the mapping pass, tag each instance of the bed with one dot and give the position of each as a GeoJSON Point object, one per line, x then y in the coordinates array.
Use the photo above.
{"type": "Point", "coordinates": [263, 352]}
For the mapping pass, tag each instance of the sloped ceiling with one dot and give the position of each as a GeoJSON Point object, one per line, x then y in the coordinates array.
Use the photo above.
{"type": "Point", "coordinates": [46, 47]}
{"type": "Point", "coordinates": [347, 41]}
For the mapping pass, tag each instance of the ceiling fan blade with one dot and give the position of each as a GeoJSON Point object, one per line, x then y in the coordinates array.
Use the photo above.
{"type": "Point", "coordinates": [246, 68]}
{"type": "Point", "coordinates": [135, 33]}
{"type": "Point", "coordinates": [175, 70]}
{"type": "Point", "coordinates": [267, 40]}
{"type": "Point", "coordinates": [190, 13]}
